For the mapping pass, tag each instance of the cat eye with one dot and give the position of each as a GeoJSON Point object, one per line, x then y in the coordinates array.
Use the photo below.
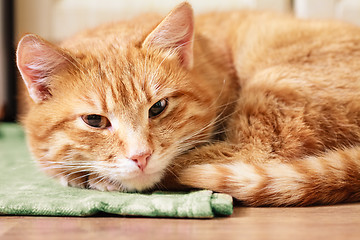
{"type": "Point", "coordinates": [96, 121]}
{"type": "Point", "coordinates": [157, 108]}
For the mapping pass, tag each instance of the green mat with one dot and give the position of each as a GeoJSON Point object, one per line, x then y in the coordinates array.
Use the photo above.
{"type": "Point", "coordinates": [24, 190]}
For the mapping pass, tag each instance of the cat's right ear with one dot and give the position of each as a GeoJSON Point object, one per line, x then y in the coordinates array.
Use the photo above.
{"type": "Point", "coordinates": [175, 34]}
{"type": "Point", "coordinates": [37, 60]}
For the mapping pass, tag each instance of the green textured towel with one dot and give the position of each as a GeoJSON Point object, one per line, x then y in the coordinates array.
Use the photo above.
{"type": "Point", "coordinates": [26, 191]}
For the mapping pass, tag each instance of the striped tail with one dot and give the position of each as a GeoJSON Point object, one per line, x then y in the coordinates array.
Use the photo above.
{"type": "Point", "coordinates": [328, 179]}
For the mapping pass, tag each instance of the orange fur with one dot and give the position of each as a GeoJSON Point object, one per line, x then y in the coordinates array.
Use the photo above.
{"type": "Point", "coordinates": [262, 106]}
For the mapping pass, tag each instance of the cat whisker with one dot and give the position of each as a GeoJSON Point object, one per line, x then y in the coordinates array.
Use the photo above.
{"type": "Point", "coordinates": [67, 172]}
{"type": "Point", "coordinates": [160, 185]}
{"type": "Point", "coordinates": [87, 173]}
{"type": "Point", "coordinates": [218, 119]}
{"type": "Point", "coordinates": [200, 133]}
{"type": "Point", "coordinates": [173, 173]}
{"type": "Point", "coordinates": [100, 179]}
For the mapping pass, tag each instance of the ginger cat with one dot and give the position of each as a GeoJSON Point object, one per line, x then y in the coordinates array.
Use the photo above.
{"type": "Point", "coordinates": [261, 106]}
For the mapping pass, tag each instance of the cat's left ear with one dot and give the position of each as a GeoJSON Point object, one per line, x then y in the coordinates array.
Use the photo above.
{"type": "Point", "coordinates": [37, 61]}
{"type": "Point", "coordinates": [175, 34]}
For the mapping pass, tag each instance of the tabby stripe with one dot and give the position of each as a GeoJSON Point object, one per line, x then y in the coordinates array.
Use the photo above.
{"type": "Point", "coordinates": [262, 192]}
{"type": "Point", "coordinates": [47, 133]}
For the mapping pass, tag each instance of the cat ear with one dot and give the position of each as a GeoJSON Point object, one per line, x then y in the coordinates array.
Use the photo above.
{"type": "Point", "coordinates": [37, 60]}
{"type": "Point", "coordinates": [175, 33]}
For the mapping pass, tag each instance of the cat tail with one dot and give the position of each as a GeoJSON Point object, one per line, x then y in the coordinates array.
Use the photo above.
{"type": "Point", "coordinates": [328, 179]}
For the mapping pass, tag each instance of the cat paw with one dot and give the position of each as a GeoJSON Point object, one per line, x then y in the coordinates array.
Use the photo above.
{"type": "Point", "coordinates": [102, 185]}
{"type": "Point", "coordinates": [90, 181]}
{"type": "Point", "coordinates": [73, 181]}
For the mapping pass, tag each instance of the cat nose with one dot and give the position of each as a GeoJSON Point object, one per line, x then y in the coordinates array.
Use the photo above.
{"type": "Point", "coordinates": [141, 160]}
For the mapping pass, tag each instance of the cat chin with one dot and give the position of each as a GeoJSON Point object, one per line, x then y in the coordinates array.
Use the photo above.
{"type": "Point", "coordinates": [142, 182]}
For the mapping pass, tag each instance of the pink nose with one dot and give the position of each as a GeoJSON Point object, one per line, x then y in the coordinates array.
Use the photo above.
{"type": "Point", "coordinates": [141, 159]}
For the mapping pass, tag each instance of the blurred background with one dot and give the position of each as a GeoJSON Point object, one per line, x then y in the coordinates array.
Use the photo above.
{"type": "Point", "coordinates": [57, 19]}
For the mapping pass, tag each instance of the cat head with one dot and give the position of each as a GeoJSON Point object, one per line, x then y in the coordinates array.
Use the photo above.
{"type": "Point", "coordinates": [111, 114]}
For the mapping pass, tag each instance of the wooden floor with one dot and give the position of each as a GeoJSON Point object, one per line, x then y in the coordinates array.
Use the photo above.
{"type": "Point", "coordinates": [329, 222]}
